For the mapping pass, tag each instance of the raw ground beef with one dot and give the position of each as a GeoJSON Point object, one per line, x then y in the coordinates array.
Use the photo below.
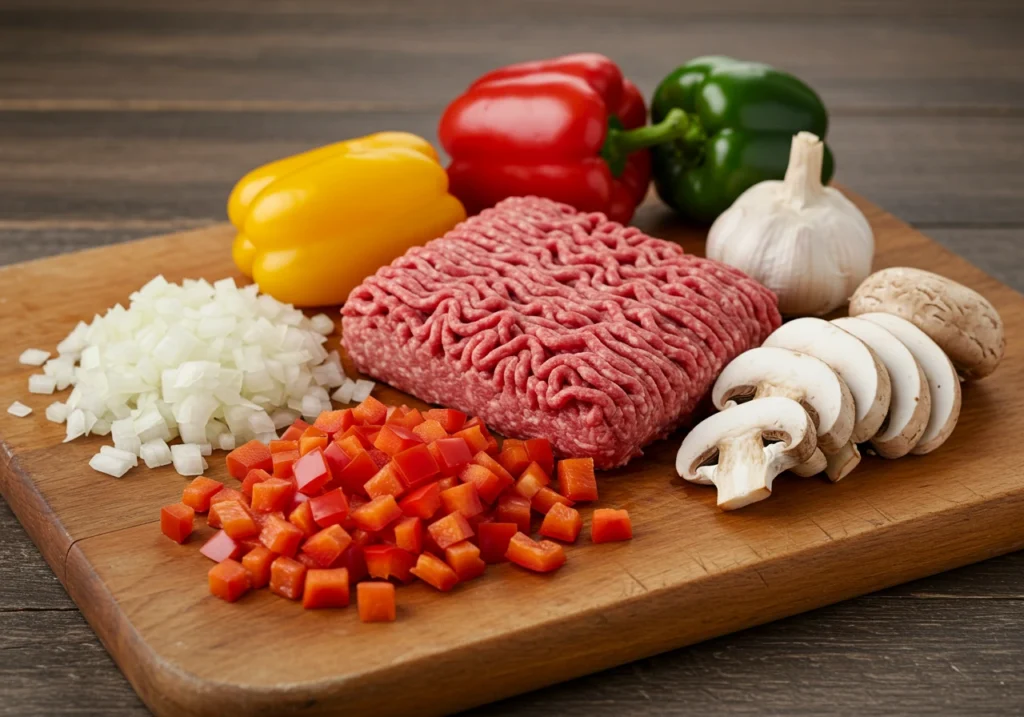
{"type": "Point", "coordinates": [548, 322]}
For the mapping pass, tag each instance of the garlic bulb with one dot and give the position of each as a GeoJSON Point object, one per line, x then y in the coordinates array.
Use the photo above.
{"type": "Point", "coordinates": [804, 241]}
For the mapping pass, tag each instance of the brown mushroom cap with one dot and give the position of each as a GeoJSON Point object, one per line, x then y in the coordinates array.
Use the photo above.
{"type": "Point", "coordinates": [960, 320]}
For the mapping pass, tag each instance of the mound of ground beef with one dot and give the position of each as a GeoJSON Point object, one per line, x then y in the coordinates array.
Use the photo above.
{"type": "Point", "coordinates": [547, 322]}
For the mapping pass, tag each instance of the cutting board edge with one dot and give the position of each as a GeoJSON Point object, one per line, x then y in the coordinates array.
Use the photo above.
{"type": "Point", "coordinates": [168, 689]}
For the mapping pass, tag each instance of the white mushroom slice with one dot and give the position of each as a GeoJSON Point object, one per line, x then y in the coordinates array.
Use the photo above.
{"type": "Point", "coordinates": [960, 320]}
{"type": "Point", "coordinates": [911, 403]}
{"type": "Point", "coordinates": [753, 442]}
{"type": "Point", "coordinates": [943, 383]}
{"type": "Point", "coordinates": [849, 357]}
{"type": "Point", "coordinates": [816, 464]}
{"type": "Point", "coordinates": [763, 372]}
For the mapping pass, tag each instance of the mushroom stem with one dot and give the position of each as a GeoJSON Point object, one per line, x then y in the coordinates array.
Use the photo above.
{"type": "Point", "coordinates": [745, 470]}
{"type": "Point", "coordinates": [812, 467]}
{"type": "Point", "coordinates": [842, 462]}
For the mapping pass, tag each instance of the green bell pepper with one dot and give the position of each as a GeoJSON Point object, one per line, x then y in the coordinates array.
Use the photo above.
{"type": "Point", "coordinates": [740, 118]}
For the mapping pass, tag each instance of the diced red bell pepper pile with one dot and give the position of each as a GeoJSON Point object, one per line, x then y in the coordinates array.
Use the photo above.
{"type": "Point", "coordinates": [373, 494]}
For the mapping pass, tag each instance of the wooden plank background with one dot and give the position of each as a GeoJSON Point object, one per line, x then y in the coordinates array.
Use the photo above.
{"type": "Point", "coordinates": [121, 119]}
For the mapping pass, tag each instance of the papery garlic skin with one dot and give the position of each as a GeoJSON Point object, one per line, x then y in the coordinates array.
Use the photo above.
{"type": "Point", "coordinates": [806, 242]}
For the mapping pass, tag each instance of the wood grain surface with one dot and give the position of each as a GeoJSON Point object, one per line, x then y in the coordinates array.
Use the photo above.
{"type": "Point", "coordinates": [128, 107]}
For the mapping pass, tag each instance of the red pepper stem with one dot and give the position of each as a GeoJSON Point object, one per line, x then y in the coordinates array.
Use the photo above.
{"type": "Point", "coordinates": [675, 126]}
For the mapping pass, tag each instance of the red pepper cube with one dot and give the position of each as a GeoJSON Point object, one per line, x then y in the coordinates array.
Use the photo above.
{"type": "Point", "coordinates": [337, 459]}
{"type": "Point", "coordinates": [388, 561]}
{"type": "Point", "coordinates": [451, 454]}
{"type": "Point", "coordinates": [514, 456]}
{"type": "Point", "coordinates": [272, 496]}
{"type": "Point", "coordinates": [257, 563]}
{"type": "Point", "coordinates": [376, 602]}
{"type": "Point", "coordinates": [463, 499]}
{"type": "Point", "coordinates": [514, 508]}
{"type": "Point", "coordinates": [415, 466]}
{"type": "Point", "coordinates": [608, 525]}
{"type": "Point", "coordinates": [227, 494]}
{"type": "Point", "coordinates": [302, 518]}
{"type": "Point", "coordinates": [435, 572]}
{"type": "Point", "coordinates": [221, 547]}
{"type": "Point", "coordinates": [464, 559]}
{"type": "Point", "coordinates": [354, 561]}
{"type": "Point", "coordinates": [540, 557]}
{"type": "Point", "coordinates": [449, 530]}
{"type": "Point", "coordinates": [282, 446]}
{"type": "Point", "coordinates": [287, 577]}
{"type": "Point", "coordinates": [380, 458]}
{"type": "Point", "coordinates": [405, 417]}
{"type": "Point", "coordinates": [311, 432]}
{"type": "Point", "coordinates": [423, 502]}
{"type": "Point", "coordinates": [377, 514]}
{"type": "Point", "coordinates": [198, 493]}
{"type": "Point", "coordinates": [228, 580]}
{"type": "Point", "coordinates": [331, 508]}
{"type": "Point", "coordinates": [326, 589]}
{"type": "Point", "coordinates": [236, 520]}
{"type": "Point", "coordinates": [385, 482]}
{"type": "Point", "coordinates": [450, 419]}
{"type": "Point", "coordinates": [493, 539]}
{"type": "Point", "coordinates": [370, 412]}
{"type": "Point", "coordinates": [361, 469]}
{"type": "Point", "coordinates": [327, 546]}
{"type": "Point", "coordinates": [489, 485]}
{"type": "Point", "coordinates": [284, 463]}
{"type": "Point", "coordinates": [531, 481]}
{"type": "Point", "coordinates": [562, 523]}
{"type": "Point", "coordinates": [256, 475]}
{"type": "Point", "coordinates": [474, 437]}
{"type": "Point", "coordinates": [352, 443]}
{"type": "Point", "coordinates": [312, 472]}
{"type": "Point", "coordinates": [492, 464]}
{"type": "Point", "coordinates": [576, 479]}
{"type": "Point", "coordinates": [430, 431]}
{"type": "Point", "coordinates": [308, 444]}
{"type": "Point", "coordinates": [177, 521]}
{"type": "Point", "coordinates": [492, 442]}
{"type": "Point", "coordinates": [295, 431]}
{"type": "Point", "coordinates": [446, 483]}
{"type": "Point", "coordinates": [335, 422]}
{"type": "Point", "coordinates": [539, 451]}
{"type": "Point", "coordinates": [545, 498]}
{"type": "Point", "coordinates": [280, 536]}
{"type": "Point", "coordinates": [248, 456]}
{"type": "Point", "coordinates": [362, 538]}
{"type": "Point", "coordinates": [409, 535]}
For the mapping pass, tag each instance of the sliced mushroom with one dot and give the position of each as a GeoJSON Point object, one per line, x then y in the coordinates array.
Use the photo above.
{"type": "Point", "coordinates": [765, 371]}
{"type": "Point", "coordinates": [943, 384]}
{"type": "Point", "coordinates": [911, 403]}
{"type": "Point", "coordinates": [753, 443]}
{"type": "Point", "coordinates": [849, 357]}
{"type": "Point", "coordinates": [960, 320]}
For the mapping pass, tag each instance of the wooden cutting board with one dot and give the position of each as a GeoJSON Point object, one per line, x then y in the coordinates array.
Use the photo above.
{"type": "Point", "coordinates": [691, 572]}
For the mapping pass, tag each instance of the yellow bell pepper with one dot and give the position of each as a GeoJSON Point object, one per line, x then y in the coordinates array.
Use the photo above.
{"type": "Point", "coordinates": [312, 226]}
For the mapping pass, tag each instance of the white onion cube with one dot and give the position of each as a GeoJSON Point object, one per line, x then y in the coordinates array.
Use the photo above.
{"type": "Point", "coordinates": [156, 453]}
{"type": "Point", "coordinates": [41, 383]}
{"type": "Point", "coordinates": [120, 455]}
{"type": "Point", "coordinates": [345, 391]}
{"type": "Point", "coordinates": [56, 412]}
{"type": "Point", "coordinates": [226, 442]}
{"type": "Point", "coordinates": [33, 357]}
{"type": "Point", "coordinates": [362, 390]}
{"type": "Point", "coordinates": [19, 409]}
{"type": "Point", "coordinates": [187, 459]}
{"type": "Point", "coordinates": [322, 324]}
{"type": "Point", "coordinates": [109, 465]}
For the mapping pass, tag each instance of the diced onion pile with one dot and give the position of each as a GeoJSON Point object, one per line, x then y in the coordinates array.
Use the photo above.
{"type": "Point", "coordinates": [214, 364]}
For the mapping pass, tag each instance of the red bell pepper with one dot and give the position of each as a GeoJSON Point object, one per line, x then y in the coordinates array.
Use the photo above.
{"type": "Point", "coordinates": [568, 128]}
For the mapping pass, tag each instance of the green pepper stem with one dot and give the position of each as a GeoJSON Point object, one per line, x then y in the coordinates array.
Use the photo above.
{"type": "Point", "coordinates": [676, 126]}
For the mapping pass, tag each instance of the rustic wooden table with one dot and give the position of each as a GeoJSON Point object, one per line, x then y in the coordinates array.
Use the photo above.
{"type": "Point", "coordinates": [121, 119]}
